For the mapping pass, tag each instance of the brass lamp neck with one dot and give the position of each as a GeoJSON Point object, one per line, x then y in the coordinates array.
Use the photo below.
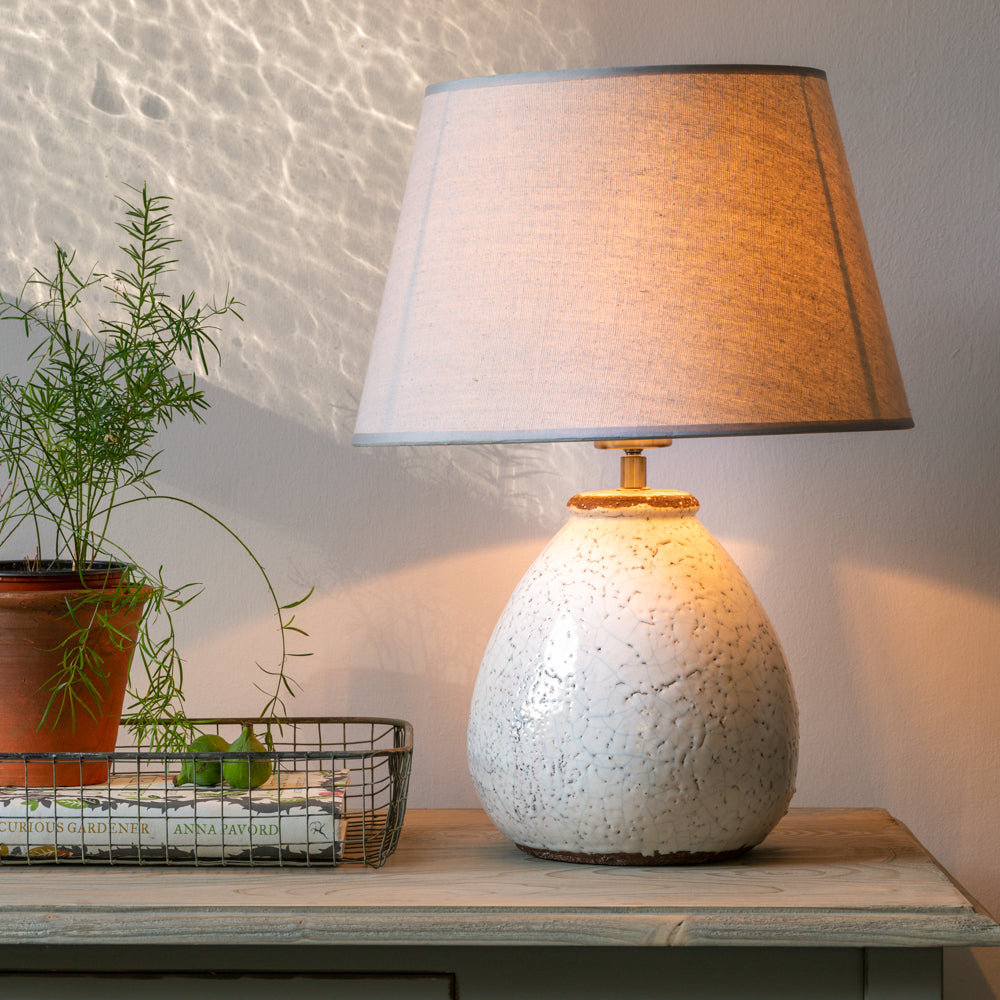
{"type": "Point", "coordinates": [633, 464]}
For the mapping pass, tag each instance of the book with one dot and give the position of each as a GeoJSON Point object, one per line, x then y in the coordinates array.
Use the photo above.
{"type": "Point", "coordinates": [295, 817]}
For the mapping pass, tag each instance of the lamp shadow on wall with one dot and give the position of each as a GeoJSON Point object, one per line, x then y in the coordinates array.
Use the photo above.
{"type": "Point", "coordinates": [411, 570]}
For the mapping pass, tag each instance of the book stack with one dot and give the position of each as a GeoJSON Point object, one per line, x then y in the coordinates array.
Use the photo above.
{"type": "Point", "coordinates": [295, 817]}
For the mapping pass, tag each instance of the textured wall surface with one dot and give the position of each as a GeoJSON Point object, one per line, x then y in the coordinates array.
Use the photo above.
{"type": "Point", "coordinates": [283, 131]}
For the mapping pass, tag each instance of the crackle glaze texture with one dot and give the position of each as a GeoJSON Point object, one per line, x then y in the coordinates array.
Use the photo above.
{"type": "Point", "coordinates": [634, 703]}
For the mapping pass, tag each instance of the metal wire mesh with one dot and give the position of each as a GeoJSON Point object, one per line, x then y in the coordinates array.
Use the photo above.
{"type": "Point", "coordinates": [337, 795]}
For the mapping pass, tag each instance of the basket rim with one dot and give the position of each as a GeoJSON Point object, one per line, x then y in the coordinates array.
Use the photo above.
{"type": "Point", "coordinates": [130, 754]}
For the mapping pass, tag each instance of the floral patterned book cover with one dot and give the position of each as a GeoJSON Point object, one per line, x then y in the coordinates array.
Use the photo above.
{"type": "Point", "coordinates": [294, 817]}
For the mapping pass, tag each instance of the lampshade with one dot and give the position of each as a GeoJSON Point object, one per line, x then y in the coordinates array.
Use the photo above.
{"type": "Point", "coordinates": [629, 253]}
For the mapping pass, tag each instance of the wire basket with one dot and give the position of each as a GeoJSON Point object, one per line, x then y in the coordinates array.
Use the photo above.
{"type": "Point", "coordinates": [336, 795]}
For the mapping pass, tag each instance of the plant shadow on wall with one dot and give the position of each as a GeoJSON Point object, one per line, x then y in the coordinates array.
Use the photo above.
{"type": "Point", "coordinates": [78, 445]}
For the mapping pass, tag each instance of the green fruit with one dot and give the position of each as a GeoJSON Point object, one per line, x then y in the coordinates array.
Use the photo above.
{"type": "Point", "coordinates": [202, 772]}
{"type": "Point", "coordinates": [245, 772]}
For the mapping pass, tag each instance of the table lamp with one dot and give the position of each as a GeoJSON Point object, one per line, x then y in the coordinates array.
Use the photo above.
{"type": "Point", "coordinates": [627, 256]}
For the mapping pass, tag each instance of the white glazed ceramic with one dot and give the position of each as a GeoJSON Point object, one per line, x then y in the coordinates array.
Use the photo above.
{"type": "Point", "coordinates": [633, 705]}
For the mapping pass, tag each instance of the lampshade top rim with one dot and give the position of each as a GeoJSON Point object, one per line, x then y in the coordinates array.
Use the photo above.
{"type": "Point", "coordinates": [555, 75]}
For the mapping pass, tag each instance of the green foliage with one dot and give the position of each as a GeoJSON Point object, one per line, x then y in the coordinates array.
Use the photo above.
{"type": "Point", "coordinates": [77, 444]}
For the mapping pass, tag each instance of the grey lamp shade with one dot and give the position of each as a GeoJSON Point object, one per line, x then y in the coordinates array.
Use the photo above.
{"type": "Point", "coordinates": [629, 253]}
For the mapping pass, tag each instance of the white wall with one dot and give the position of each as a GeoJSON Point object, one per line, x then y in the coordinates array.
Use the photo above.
{"type": "Point", "coordinates": [283, 131]}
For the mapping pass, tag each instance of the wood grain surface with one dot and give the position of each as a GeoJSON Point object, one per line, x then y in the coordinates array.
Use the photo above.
{"type": "Point", "coordinates": [831, 877]}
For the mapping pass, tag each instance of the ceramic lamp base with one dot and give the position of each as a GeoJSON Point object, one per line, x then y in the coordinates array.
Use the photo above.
{"type": "Point", "coordinates": [634, 705]}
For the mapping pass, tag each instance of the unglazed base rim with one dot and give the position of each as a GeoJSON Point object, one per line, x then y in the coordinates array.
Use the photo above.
{"type": "Point", "coordinates": [624, 858]}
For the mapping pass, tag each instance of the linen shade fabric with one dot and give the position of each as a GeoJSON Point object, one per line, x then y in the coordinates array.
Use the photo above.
{"type": "Point", "coordinates": [629, 253]}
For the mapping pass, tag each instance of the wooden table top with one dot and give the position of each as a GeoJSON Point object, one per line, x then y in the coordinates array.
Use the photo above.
{"type": "Point", "coordinates": [827, 877]}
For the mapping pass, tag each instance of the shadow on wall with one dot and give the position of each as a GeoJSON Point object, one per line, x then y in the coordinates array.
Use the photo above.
{"type": "Point", "coordinates": [360, 512]}
{"type": "Point", "coordinates": [284, 137]}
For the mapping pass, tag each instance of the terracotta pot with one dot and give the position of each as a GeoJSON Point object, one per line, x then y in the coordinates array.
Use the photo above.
{"type": "Point", "coordinates": [34, 623]}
